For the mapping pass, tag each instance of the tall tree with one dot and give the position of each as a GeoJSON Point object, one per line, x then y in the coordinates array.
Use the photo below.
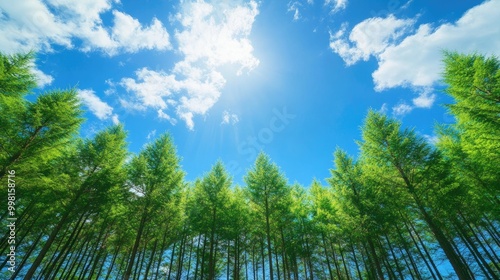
{"type": "Point", "coordinates": [210, 205]}
{"type": "Point", "coordinates": [95, 169]}
{"type": "Point", "coordinates": [396, 153]}
{"type": "Point", "coordinates": [267, 188]}
{"type": "Point", "coordinates": [155, 175]}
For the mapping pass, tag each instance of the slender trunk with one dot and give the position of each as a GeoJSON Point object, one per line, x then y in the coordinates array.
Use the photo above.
{"type": "Point", "coordinates": [268, 234]}
{"type": "Point", "coordinates": [172, 255]}
{"type": "Point", "coordinates": [140, 258]}
{"type": "Point", "coordinates": [411, 232]}
{"type": "Point", "coordinates": [246, 263]}
{"type": "Point", "coordinates": [286, 270]}
{"type": "Point", "coordinates": [335, 262]}
{"type": "Point", "coordinates": [369, 267]}
{"type": "Point", "coordinates": [277, 261]}
{"type": "Point", "coordinates": [215, 253]}
{"type": "Point", "coordinates": [495, 257]}
{"type": "Point", "coordinates": [151, 259]}
{"type": "Point", "coordinates": [203, 256]}
{"type": "Point", "coordinates": [461, 268]}
{"type": "Point", "coordinates": [413, 264]}
{"type": "Point", "coordinates": [211, 262]}
{"type": "Point", "coordinates": [263, 257]}
{"type": "Point", "coordinates": [330, 273]}
{"type": "Point", "coordinates": [72, 273]}
{"type": "Point", "coordinates": [26, 256]}
{"type": "Point", "coordinates": [394, 257]}
{"type": "Point", "coordinates": [68, 246]}
{"type": "Point", "coordinates": [493, 261]}
{"type": "Point", "coordinates": [254, 264]}
{"type": "Point", "coordinates": [378, 268]}
{"type": "Point", "coordinates": [356, 262]}
{"type": "Point", "coordinates": [236, 264]}
{"type": "Point", "coordinates": [181, 257]}
{"type": "Point", "coordinates": [50, 240]}
{"type": "Point", "coordinates": [490, 227]}
{"type": "Point", "coordinates": [117, 251]}
{"type": "Point", "coordinates": [101, 248]}
{"type": "Point", "coordinates": [483, 264]}
{"type": "Point", "coordinates": [347, 271]}
{"type": "Point", "coordinates": [130, 265]}
{"type": "Point", "coordinates": [431, 261]}
{"type": "Point", "coordinates": [197, 257]}
{"type": "Point", "coordinates": [162, 250]}
{"type": "Point", "coordinates": [228, 262]}
{"type": "Point", "coordinates": [190, 257]}
{"type": "Point", "coordinates": [308, 257]}
{"type": "Point", "coordinates": [305, 268]}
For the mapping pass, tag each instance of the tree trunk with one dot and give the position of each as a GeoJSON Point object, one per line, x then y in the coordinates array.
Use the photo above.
{"type": "Point", "coordinates": [130, 265]}
{"type": "Point", "coordinates": [268, 234]}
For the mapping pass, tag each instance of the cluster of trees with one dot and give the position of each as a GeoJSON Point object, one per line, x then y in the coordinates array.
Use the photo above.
{"type": "Point", "coordinates": [403, 209]}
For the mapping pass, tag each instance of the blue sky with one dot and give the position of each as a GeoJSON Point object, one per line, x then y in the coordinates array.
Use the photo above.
{"type": "Point", "coordinates": [227, 79]}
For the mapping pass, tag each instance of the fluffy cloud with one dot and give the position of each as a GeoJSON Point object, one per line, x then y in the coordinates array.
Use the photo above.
{"type": "Point", "coordinates": [229, 118]}
{"type": "Point", "coordinates": [42, 78]}
{"type": "Point", "coordinates": [425, 99]}
{"type": "Point", "coordinates": [296, 6]}
{"type": "Point", "coordinates": [31, 25]}
{"type": "Point", "coordinates": [216, 36]}
{"type": "Point", "coordinates": [98, 107]}
{"type": "Point", "coordinates": [401, 109]}
{"type": "Point", "coordinates": [411, 56]}
{"type": "Point", "coordinates": [115, 119]}
{"type": "Point", "coordinates": [336, 5]}
{"type": "Point", "coordinates": [165, 116]}
{"type": "Point", "coordinates": [212, 36]}
{"type": "Point", "coordinates": [370, 37]}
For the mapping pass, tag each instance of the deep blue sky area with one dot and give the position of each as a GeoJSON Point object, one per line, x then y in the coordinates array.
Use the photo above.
{"type": "Point", "coordinates": [228, 79]}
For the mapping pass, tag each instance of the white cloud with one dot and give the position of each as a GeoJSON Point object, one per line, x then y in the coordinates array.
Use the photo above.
{"type": "Point", "coordinates": [132, 106]}
{"type": "Point", "coordinates": [212, 35]}
{"type": "Point", "coordinates": [131, 36]}
{"type": "Point", "coordinates": [163, 115]}
{"type": "Point", "coordinates": [401, 109]}
{"type": "Point", "coordinates": [370, 37]}
{"type": "Point", "coordinates": [151, 134]}
{"type": "Point", "coordinates": [425, 99]}
{"type": "Point", "coordinates": [42, 78]}
{"type": "Point", "coordinates": [37, 25]}
{"type": "Point", "coordinates": [115, 119]}
{"type": "Point", "coordinates": [29, 24]}
{"type": "Point", "coordinates": [300, 7]}
{"type": "Point", "coordinates": [294, 7]}
{"type": "Point", "coordinates": [98, 107]}
{"type": "Point", "coordinates": [336, 5]}
{"type": "Point", "coordinates": [412, 56]}
{"type": "Point", "coordinates": [229, 118]}
{"type": "Point", "coordinates": [217, 35]}
{"type": "Point", "coordinates": [150, 87]}
{"type": "Point", "coordinates": [383, 109]}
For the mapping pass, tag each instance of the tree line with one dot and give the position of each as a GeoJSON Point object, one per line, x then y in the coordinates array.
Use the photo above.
{"type": "Point", "coordinates": [403, 208]}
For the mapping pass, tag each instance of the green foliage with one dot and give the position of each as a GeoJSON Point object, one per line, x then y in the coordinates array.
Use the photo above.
{"type": "Point", "coordinates": [37, 130]}
{"type": "Point", "coordinates": [402, 209]}
{"type": "Point", "coordinates": [16, 77]}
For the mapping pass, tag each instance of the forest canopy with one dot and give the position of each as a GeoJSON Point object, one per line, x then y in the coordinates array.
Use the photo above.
{"type": "Point", "coordinates": [403, 208]}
